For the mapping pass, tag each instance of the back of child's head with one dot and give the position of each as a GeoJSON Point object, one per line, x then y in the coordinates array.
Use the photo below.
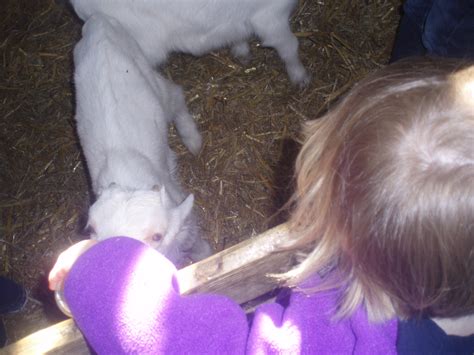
{"type": "Point", "coordinates": [385, 190]}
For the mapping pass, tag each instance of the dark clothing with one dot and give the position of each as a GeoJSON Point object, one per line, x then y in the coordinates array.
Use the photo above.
{"type": "Point", "coordinates": [425, 337]}
{"type": "Point", "coordinates": [12, 299]}
{"type": "Point", "coordinates": [435, 27]}
{"type": "Point", "coordinates": [12, 296]}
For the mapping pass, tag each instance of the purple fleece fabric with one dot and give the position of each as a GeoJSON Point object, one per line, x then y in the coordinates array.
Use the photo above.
{"type": "Point", "coordinates": [124, 298]}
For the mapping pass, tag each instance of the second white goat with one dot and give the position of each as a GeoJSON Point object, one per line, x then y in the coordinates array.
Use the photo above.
{"type": "Point", "coordinates": [200, 26]}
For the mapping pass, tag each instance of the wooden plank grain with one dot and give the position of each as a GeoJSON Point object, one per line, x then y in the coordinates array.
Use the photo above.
{"type": "Point", "coordinates": [240, 272]}
{"type": "Point", "coordinates": [55, 339]}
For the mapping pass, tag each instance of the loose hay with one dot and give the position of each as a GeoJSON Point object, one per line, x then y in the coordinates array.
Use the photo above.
{"type": "Point", "coordinates": [249, 116]}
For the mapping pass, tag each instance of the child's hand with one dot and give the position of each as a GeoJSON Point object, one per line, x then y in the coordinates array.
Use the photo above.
{"type": "Point", "coordinates": [65, 261]}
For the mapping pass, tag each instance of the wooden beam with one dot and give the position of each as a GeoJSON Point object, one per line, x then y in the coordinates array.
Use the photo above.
{"type": "Point", "coordinates": [61, 338]}
{"type": "Point", "coordinates": [238, 272]}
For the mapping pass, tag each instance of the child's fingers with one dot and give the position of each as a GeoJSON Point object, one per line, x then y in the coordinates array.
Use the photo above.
{"type": "Point", "coordinates": [65, 262]}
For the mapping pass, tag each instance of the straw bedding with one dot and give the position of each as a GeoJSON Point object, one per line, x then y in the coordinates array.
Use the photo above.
{"type": "Point", "coordinates": [249, 116]}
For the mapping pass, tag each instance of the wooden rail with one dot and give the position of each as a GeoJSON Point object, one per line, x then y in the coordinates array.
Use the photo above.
{"type": "Point", "coordinates": [238, 272]}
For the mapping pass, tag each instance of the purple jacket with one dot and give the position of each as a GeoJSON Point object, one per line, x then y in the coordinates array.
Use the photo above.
{"type": "Point", "coordinates": [125, 299]}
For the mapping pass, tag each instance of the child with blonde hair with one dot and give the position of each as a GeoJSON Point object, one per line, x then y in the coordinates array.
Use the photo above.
{"type": "Point", "coordinates": [385, 191]}
{"type": "Point", "coordinates": [385, 200]}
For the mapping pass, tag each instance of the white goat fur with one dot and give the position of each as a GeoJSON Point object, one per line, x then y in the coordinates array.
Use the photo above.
{"type": "Point", "coordinates": [123, 108]}
{"type": "Point", "coordinates": [200, 26]}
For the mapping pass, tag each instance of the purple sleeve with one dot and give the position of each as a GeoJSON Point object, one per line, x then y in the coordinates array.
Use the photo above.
{"type": "Point", "coordinates": [307, 325]}
{"type": "Point", "coordinates": [124, 298]}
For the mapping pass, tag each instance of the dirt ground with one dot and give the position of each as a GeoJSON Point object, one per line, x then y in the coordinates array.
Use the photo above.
{"type": "Point", "coordinates": [249, 116]}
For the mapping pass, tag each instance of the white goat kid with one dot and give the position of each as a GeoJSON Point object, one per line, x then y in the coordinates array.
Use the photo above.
{"type": "Point", "coordinates": [200, 26]}
{"type": "Point", "coordinates": [123, 110]}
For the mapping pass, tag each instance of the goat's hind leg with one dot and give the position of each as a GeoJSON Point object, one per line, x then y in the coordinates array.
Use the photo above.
{"type": "Point", "coordinates": [280, 37]}
{"type": "Point", "coordinates": [241, 51]}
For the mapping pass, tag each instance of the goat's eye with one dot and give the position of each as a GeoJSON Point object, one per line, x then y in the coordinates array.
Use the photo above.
{"type": "Point", "coordinates": [157, 237]}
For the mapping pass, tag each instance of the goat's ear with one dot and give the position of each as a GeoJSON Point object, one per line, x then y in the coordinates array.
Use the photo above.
{"type": "Point", "coordinates": [185, 207]}
{"type": "Point", "coordinates": [165, 198]}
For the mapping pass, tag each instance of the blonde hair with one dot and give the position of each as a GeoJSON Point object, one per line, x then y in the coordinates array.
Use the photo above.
{"type": "Point", "coordinates": [385, 190]}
